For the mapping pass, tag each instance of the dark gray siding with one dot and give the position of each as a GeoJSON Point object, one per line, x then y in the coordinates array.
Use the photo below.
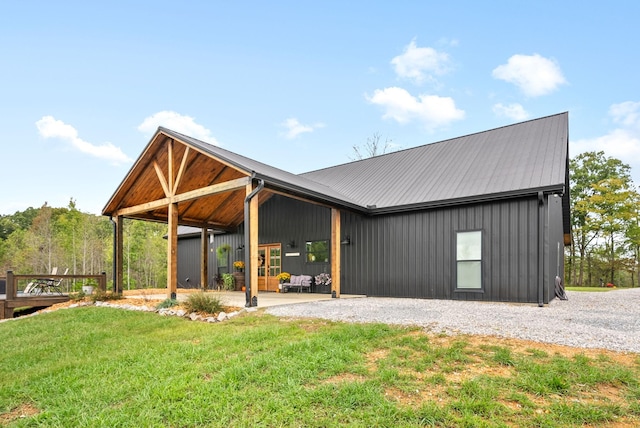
{"type": "Point", "coordinates": [283, 220]}
{"type": "Point", "coordinates": [189, 258]}
{"type": "Point", "coordinates": [413, 254]}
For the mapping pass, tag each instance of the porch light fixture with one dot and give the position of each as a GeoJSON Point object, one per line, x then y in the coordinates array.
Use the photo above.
{"type": "Point", "coordinates": [346, 240]}
{"type": "Point", "coordinates": [291, 244]}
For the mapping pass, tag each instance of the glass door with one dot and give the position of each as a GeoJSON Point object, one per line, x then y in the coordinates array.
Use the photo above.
{"type": "Point", "coordinates": [269, 266]}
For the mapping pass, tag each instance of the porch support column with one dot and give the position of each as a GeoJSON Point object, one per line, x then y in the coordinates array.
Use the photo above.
{"type": "Point", "coordinates": [253, 249]}
{"type": "Point", "coordinates": [204, 259]}
{"type": "Point", "coordinates": [172, 252]}
{"type": "Point", "coordinates": [251, 242]}
{"type": "Point", "coordinates": [335, 252]}
{"type": "Point", "coordinates": [118, 254]}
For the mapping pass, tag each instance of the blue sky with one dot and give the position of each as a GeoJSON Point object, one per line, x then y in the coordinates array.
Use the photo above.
{"type": "Point", "coordinates": [296, 84]}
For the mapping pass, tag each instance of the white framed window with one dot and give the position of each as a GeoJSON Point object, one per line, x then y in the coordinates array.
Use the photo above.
{"type": "Point", "coordinates": [469, 260]}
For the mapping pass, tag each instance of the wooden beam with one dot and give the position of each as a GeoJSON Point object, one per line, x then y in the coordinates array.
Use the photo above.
{"type": "Point", "coordinates": [162, 179]}
{"type": "Point", "coordinates": [227, 186]}
{"type": "Point", "coordinates": [171, 178]}
{"type": "Point", "coordinates": [335, 252]}
{"type": "Point", "coordinates": [172, 252]}
{"type": "Point", "coordinates": [204, 258]}
{"type": "Point", "coordinates": [142, 208]}
{"type": "Point", "coordinates": [183, 166]}
{"type": "Point", "coordinates": [119, 261]}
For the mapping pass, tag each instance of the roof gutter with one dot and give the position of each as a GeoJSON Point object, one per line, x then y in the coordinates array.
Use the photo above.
{"type": "Point", "coordinates": [468, 200]}
{"type": "Point", "coordinates": [247, 242]}
{"type": "Point", "coordinates": [312, 194]}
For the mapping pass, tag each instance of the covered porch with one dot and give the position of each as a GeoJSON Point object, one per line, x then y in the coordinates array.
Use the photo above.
{"type": "Point", "coordinates": [179, 180]}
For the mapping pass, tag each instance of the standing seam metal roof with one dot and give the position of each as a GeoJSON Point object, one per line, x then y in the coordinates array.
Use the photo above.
{"type": "Point", "coordinates": [520, 158]}
{"type": "Point", "coordinates": [516, 159]}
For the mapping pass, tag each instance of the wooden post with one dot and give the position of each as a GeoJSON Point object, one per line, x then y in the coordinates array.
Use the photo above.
{"type": "Point", "coordinates": [172, 252]}
{"type": "Point", "coordinates": [12, 294]}
{"type": "Point", "coordinates": [253, 247]}
{"type": "Point", "coordinates": [335, 252]}
{"type": "Point", "coordinates": [204, 259]}
{"type": "Point", "coordinates": [119, 261]}
{"type": "Point", "coordinates": [102, 282]}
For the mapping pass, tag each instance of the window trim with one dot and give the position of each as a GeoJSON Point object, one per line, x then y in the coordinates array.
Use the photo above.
{"type": "Point", "coordinates": [458, 289]}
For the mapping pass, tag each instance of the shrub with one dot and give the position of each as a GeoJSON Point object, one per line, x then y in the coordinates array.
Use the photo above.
{"type": "Point", "coordinates": [229, 281]}
{"type": "Point", "coordinates": [103, 296]}
{"type": "Point", "coordinates": [202, 302]}
{"type": "Point", "coordinates": [167, 303]}
{"type": "Point", "coordinates": [76, 297]}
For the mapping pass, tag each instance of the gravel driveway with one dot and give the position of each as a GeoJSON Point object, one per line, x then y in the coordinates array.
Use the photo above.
{"type": "Point", "coordinates": [608, 320]}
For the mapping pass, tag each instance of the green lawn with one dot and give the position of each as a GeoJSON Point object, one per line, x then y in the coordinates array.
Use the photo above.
{"type": "Point", "coordinates": [593, 289]}
{"type": "Point", "coordinates": [109, 367]}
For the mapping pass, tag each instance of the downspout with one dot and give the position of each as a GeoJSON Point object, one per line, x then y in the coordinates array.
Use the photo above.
{"type": "Point", "coordinates": [247, 253]}
{"type": "Point", "coordinates": [115, 232]}
{"type": "Point", "coordinates": [540, 249]}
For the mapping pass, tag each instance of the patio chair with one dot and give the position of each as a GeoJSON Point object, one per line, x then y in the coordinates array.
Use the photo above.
{"type": "Point", "coordinates": [34, 286]}
{"type": "Point", "coordinates": [49, 285]}
{"type": "Point", "coordinates": [52, 285]}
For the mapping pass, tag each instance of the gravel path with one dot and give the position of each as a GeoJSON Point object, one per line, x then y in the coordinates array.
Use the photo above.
{"type": "Point", "coordinates": [608, 320]}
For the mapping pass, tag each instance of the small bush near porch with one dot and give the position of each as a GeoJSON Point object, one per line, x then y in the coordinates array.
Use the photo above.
{"type": "Point", "coordinates": [110, 367]}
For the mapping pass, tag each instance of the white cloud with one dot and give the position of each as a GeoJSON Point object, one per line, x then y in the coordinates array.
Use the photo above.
{"type": "Point", "coordinates": [49, 127]}
{"type": "Point", "coordinates": [512, 111]}
{"type": "Point", "coordinates": [295, 128]}
{"type": "Point", "coordinates": [622, 143]}
{"type": "Point", "coordinates": [401, 106]}
{"type": "Point", "coordinates": [533, 74]}
{"type": "Point", "coordinates": [626, 113]}
{"type": "Point", "coordinates": [177, 122]}
{"type": "Point", "coordinates": [420, 64]}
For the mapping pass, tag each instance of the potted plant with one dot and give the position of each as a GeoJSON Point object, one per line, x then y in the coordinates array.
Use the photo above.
{"type": "Point", "coordinates": [89, 286]}
{"type": "Point", "coordinates": [228, 281]}
{"type": "Point", "coordinates": [282, 278]}
{"type": "Point", "coordinates": [223, 250]}
{"type": "Point", "coordinates": [323, 279]}
{"type": "Point", "coordinates": [238, 265]}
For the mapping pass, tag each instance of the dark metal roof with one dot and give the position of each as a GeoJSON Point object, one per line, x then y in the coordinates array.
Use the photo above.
{"type": "Point", "coordinates": [274, 178]}
{"type": "Point", "coordinates": [514, 160]}
{"type": "Point", "coordinates": [509, 161]}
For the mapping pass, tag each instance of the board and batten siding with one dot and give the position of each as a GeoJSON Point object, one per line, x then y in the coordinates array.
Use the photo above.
{"type": "Point", "coordinates": [413, 254]}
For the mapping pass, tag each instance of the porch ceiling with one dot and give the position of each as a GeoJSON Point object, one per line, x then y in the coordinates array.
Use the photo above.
{"type": "Point", "coordinates": [209, 192]}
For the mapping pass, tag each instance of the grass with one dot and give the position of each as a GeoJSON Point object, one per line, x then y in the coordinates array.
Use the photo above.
{"type": "Point", "coordinates": [593, 289]}
{"type": "Point", "coordinates": [94, 366]}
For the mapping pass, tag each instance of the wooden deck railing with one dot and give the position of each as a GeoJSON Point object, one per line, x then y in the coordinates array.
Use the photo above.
{"type": "Point", "coordinates": [12, 300]}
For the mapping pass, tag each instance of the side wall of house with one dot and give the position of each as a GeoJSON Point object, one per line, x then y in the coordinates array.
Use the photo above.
{"type": "Point", "coordinates": [414, 254]}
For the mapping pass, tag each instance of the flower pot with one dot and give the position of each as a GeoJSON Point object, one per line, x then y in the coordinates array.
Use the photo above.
{"type": "Point", "coordinates": [87, 289]}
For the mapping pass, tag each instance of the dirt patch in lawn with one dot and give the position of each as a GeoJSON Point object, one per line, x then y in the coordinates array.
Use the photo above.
{"type": "Point", "coordinates": [22, 411]}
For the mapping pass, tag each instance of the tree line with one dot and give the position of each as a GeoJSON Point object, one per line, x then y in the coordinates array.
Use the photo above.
{"type": "Point", "coordinates": [605, 247]}
{"type": "Point", "coordinates": [36, 240]}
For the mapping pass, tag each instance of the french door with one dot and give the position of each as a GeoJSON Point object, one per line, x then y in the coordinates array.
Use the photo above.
{"type": "Point", "coordinates": [269, 266]}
